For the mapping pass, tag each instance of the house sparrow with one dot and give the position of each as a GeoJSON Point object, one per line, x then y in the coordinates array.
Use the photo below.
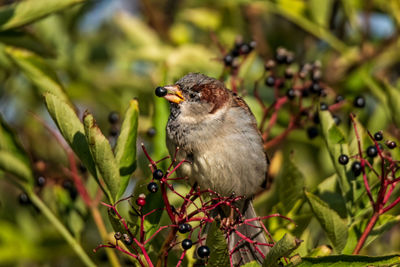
{"type": "Point", "coordinates": [216, 131]}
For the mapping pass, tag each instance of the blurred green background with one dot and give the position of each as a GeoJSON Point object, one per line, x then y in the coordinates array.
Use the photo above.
{"type": "Point", "coordinates": [105, 53]}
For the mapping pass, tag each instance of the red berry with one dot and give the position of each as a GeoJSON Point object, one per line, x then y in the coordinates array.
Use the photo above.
{"type": "Point", "coordinates": [141, 200]}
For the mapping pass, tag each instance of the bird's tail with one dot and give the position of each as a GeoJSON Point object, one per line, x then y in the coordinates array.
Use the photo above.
{"type": "Point", "coordinates": [245, 251]}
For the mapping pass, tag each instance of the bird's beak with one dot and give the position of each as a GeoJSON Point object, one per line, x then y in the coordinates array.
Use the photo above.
{"type": "Point", "coordinates": [174, 94]}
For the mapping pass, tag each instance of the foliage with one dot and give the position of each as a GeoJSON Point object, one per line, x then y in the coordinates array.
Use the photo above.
{"type": "Point", "coordinates": [66, 64]}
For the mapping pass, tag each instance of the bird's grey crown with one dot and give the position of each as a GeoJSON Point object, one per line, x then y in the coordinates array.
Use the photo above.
{"type": "Point", "coordinates": [196, 80]}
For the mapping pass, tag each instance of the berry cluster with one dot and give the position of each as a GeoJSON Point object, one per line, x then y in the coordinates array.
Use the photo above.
{"type": "Point", "coordinates": [299, 90]}
{"type": "Point", "coordinates": [240, 48]}
{"type": "Point", "coordinates": [186, 222]}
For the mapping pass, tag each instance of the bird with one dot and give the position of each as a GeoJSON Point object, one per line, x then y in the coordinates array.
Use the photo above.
{"type": "Point", "coordinates": [217, 134]}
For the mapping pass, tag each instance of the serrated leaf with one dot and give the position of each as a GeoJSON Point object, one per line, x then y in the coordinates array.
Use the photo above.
{"type": "Point", "coordinates": [71, 129]}
{"type": "Point", "coordinates": [393, 95]}
{"type": "Point", "coordinates": [25, 12]}
{"type": "Point", "coordinates": [125, 151]}
{"type": "Point", "coordinates": [290, 185]}
{"type": "Point", "coordinates": [349, 261]}
{"type": "Point", "coordinates": [333, 225]}
{"type": "Point", "coordinates": [14, 165]}
{"type": "Point", "coordinates": [282, 248]}
{"type": "Point", "coordinates": [36, 69]}
{"type": "Point", "coordinates": [216, 241]}
{"type": "Point", "coordinates": [336, 143]}
{"type": "Point", "coordinates": [103, 156]}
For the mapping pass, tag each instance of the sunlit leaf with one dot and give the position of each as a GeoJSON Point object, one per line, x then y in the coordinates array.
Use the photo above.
{"type": "Point", "coordinates": [125, 151]}
{"type": "Point", "coordinates": [14, 165]}
{"type": "Point", "coordinates": [25, 12]}
{"type": "Point", "coordinates": [282, 248]}
{"type": "Point", "coordinates": [333, 225]}
{"type": "Point", "coordinates": [36, 69]}
{"type": "Point", "coordinates": [350, 261]}
{"type": "Point", "coordinates": [216, 241]}
{"type": "Point", "coordinates": [103, 156]}
{"type": "Point", "coordinates": [393, 96]}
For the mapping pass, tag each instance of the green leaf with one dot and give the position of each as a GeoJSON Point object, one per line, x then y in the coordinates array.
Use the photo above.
{"type": "Point", "coordinates": [14, 165]}
{"type": "Point", "coordinates": [25, 12]}
{"type": "Point", "coordinates": [251, 264]}
{"type": "Point", "coordinates": [103, 156]}
{"type": "Point", "coordinates": [290, 185]}
{"type": "Point", "coordinates": [336, 143]}
{"type": "Point", "coordinates": [160, 119]}
{"type": "Point", "coordinates": [320, 11]}
{"type": "Point", "coordinates": [333, 225]}
{"type": "Point", "coordinates": [283, 248]}
{"type": "Point", "coordinates": [36, 69]}
{"type": "Point", "coordinates": [393, 95]}
{"type": "Point", "coordinates": [26, 40]}
{"type": "Point", "coordinates": [125, 151]}
{"type": "Point", "coordinates": [349, 261]}
{"type": "Point", "coordinates": [71, 129]}
{"type": "Point", "coordinates": [216, 241]}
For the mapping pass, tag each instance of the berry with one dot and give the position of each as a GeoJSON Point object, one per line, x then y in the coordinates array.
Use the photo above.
{"type": "Point", "coordinates": [343, 159]}
{"type": "Point", "coordinates": [113, 117]}
{"type": "Point", "coordinates": [23, 199]}
{"type": "Point", "coordinates": [152, 187]}
{"type": "Point", "coordinates": [312, 132]}
{"type": "Point", "coordinates": [228, 60]}
{"type": "Point", "coordinates": [305, 92]}
{"type": "Point", "coordinates": [151, 132]}
{"type": "Point", "coordinates": [70, 187]}
{"type": "Point", "coordinates": [391, 144]}
{"type": "Point", "coordinates": [158, 174]}
{"type": "Point", "coordinates": [270, 81]}
{"type": "Point", "coordinates": [184, 228]}
{"type": "Point", "coordinates": [359, 102]}
{"type": "Point", "coordinates": [203, 251]}
{"type": "Point", "coordinates": [336, 119]}
{"type": "Point", "coordinates": [339, 98]}
{"type": "Point", "coordinates": [141, 200]}
{"type": "Point", "coordinates": [281, 55]}
{"type": "Point", "coordinates": [289, 58]}
{"type": "Point", "coordinates": [244, 49]}
{"type": "Point", "coordinates": [161, 91]}
{"type": "Point", "coordinates": [315, 88]}
{"type": "Point", "coordinates": [41, 181]}
{"type": "Point", "coordinates": [378, 136]}
{"type": "Point", "coordinates": [186, 244]}
{"type": "Point", "coordinates": [372, 151]}
{"type": "Point", "coordinates": [356, 168]}
{"type": "Point", "coordinates": [118, 235]}
{"type": "Point", "coordinates": [291, 94]}
{"type": "Point", "coordinates": [270, 64]}
{"type": "Point", "coordinates": [253, 44]}
{"type": "Point", "coordinates": [316, 119]}
{"type": "Point", "coordinates": [127, 240]}
{"type": "Point", "coordinates": [316, 75]}
{"type": "Point", "coordinates": [114, 131]}
{"type": "Point", "coordinates": [82, 168]}
{"type": "Point", "coordinates": [288, 73]}
{"type": "Point", "coordinates": [323, 106]}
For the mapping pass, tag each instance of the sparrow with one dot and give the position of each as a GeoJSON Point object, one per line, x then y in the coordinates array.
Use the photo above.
{"type": "Point", "coordinates": [217, 133]}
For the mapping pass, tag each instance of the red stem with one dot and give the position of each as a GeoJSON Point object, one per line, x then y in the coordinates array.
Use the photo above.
{"type": "Point", "coordinates": [366, 232]}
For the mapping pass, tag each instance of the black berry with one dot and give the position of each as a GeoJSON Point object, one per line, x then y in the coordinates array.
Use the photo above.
{"type": "Point", "coordinates": [312, 132]}
{"type": "Point", "coordinates": [118, 235]}
{"type": "Point", "coordinates": [343, 159]}
{"type": "Point", "coordinates": [359, 102]}
{"type": "Point", "coordinates": [288, 74]}
{"type": "Point", "coordinates": [372, 151]}
{"type": "Point", "coordinates": [203, 251]}
{"type": "Point", "coordinates": [152, 187]}
{"type": "Point", "coordinates": [356, 168]}
{"type": "Point", "coordinates": [127, 240]}
{"type": "Point", "coordinates": [228, 60]}
{"type": "Point", "coordinates": [270, 65]}
{"type": "Point", "coordinates": [158, 174]}
{"type": "Point", "coordinates": [378, 136]}
{"type": "Point", "coordinates": [244, 49]}
{"type": "Point", "coordinates": [113, 117]}
{"type": "Point", "coordinates": [316, 75]}
{"type": "Point", "coordinates": [391, 144]}
{"type": "Point", "coordinates": [291, 94]}
{"type": "Point", "coordinates": [336, 119]}
{"type": "Point", "coordinates": [289, 58]}
{"type": "Point", "coordinates": [161, 91]}
{"type": "Point", "coordinates": [23, 199]}
{"type": "Point", "coordinates": [323, 106]}
{"type": "Point", "coordinates": [186, 244]}
{"type": "Point", "coordinates": [114, 131]}
{"type": "Point", "coordinates": [253, 44]}
{"type": "Point", "coordinates": [339, 98]}
{"type": "Point", "coordinates": [270, 81]}
{"type": "Point", "coordinates": [151, 132]}
{"type": "Point", "coordinates": [315, 88]}
{"type": "Point", "coordinates": [82, 168]}
{"type": "Point", "coordinates": [41, 181]}
{"type": "Point", "coordinates": [184, 228]}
